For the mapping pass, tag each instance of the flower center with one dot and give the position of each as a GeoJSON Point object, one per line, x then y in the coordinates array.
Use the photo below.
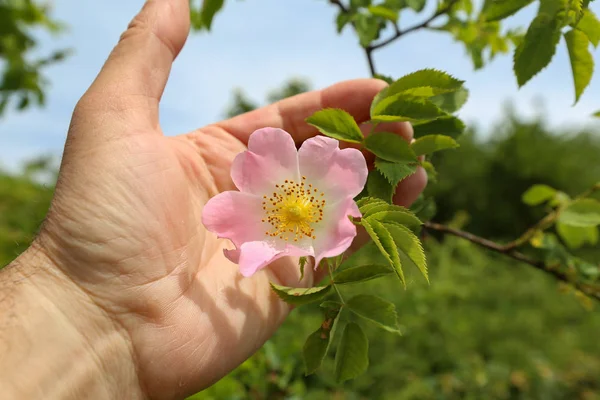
{"type": "Point", "coordinates": [293, 209]}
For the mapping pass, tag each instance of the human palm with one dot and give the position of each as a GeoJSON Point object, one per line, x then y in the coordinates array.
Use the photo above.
{"type": "Point", "coordinates": [125, 224]}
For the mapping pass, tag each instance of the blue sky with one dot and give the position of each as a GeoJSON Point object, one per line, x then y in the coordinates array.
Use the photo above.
{"type": "Point", "coordinates": [256, 46]}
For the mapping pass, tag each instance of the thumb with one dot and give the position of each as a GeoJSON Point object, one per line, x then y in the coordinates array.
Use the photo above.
{"type": "Point", "coordinates": [136, 72]}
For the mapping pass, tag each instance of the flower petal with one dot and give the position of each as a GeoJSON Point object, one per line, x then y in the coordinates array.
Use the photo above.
{"type": "Point", "coordinates": [336, 232]}
{"type": "Point", "coordinates": [271, 158]}
{"type": "Point", "coordinates": [339, 173]}
{"type": "Point", "coordinates": [235, 216]}
{"type": "Point", "coordinates": [253, 256]}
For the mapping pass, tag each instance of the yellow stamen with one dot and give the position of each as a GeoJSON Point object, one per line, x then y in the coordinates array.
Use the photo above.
{"type": "Point", "coordinates": [292, 211]}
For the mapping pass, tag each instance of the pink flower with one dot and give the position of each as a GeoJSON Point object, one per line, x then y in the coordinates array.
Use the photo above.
{"type": "Point", "coordinates": [291, 202]}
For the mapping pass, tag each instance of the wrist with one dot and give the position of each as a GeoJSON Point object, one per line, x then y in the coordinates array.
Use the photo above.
{"type": "Point", "coordinates": [55, 342]}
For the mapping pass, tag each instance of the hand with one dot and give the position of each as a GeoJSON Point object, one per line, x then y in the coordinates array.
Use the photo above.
{"type": "Point", "coordinates": [124, 230]}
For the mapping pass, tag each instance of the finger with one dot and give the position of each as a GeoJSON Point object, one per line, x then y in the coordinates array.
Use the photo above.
{"type": "Point", "coordinates": [410, 188]}
{"type": "Point", "coordinates": [353, 96]}
{"type": "Point", "coordinates": [136, 72]}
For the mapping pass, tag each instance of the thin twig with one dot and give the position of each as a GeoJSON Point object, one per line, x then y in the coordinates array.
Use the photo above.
{"type": "Point", "coordinates": [399, 33]}
{"type": "Point", "coordinates": [516, 255]}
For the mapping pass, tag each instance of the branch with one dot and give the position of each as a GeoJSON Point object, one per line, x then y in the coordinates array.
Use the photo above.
{"type": "Point", "coordinates": [399, 33]}
{"type": "Point", "coordinates": [588, 290]}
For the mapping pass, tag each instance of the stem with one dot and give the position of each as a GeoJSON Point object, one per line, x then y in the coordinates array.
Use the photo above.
{"type": "Point", "coordinates": [588, 290]}
{"type": "Point", "coordinates": [333, 283]}
{"type": "Point", "coordinates": [524, 238]}
{"type": "Point", "coordinates": [368, 53]}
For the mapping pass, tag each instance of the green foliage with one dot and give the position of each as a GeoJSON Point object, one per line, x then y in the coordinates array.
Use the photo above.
{"type": "Point", "coordinates": [583, 213]}
{"type": "Point", "coordinates": [352, 357]}
{"type": "Point", "coordinates": [582, 62]}
{"type": "Point", "coordinates": [432, 143]}
{"type": "Point", "coordinates": [500, 9]}
{"type": "Point", "coordinates": [376, 310]}
{"type": "Point", "coordinates": [577, 236]}
{"type": "Point", "coordinates": [537, 48]}
{"type": "Point", "coordinates": [21, 75]}
{"type": "Point", "coordinates": [390, 147]}
{"type": "Point", "coordinates": [538, 194]}
{"type": "Point", "coordinates": [394, 172]}
{"type": "Point", "coordinates": [448, 125]}
{"type": "Point", "coordinates": [299, 296]}
{"type": "Point", "coordinates": [337, 124]}
{"type": "Point", "coordinates": [202, 18]}
{"type": "Point", "coordinates": [590, 25]}
{"type": "Point", "coordinates": [409, 245]}
{"type": "Point", "coordinates": [318, 342]}
{"type": "Point", "coordinates": [379, 186]}
{"type": "Point", "coordinates": [401, 108]}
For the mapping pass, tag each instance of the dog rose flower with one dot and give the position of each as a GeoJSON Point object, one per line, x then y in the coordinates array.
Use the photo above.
{"type": "Point", "coordinates": [290, 202]}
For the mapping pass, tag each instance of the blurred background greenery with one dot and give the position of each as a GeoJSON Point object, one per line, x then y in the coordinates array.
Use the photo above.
{"type": "Point", "coordinates": [486, 327]}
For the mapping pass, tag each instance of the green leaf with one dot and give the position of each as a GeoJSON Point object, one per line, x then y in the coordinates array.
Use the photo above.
{"type": "Point", "coordinates": [394, 172]}
{"type": "Point", "coordinates": [375, 309]}
{"type": "Point", "coordinates": [590, 25]}
{"type": "Point", "coordinates": [336, 123]}
{"type": "Point", "coordinates": [302, 263]}
{"type": "Point", "coordinates": [430, 169]}
{"type": "Point", "coordinates": [300, 296]}
{"type": "Point", "coordinates": [409, 244]}
{"type": "Point", "coordinates": [451, 102]}
{"type": "Point", "coordinates": [390, 146]}
{"type": "Point", "coordinates": [384, 12]}
{"type": "Point", "coordinates": [400, 108]}
{"type": "Point", "coordinates": [352, 356]}
{"type": "Point", "coordinates": [384, 78]}
{"type": "Point", "coordinates": [342, 19]}
{"type": "Point", "coordinates": [367, 28]}
{"type": "Point", "coordinates": [207, 13]}
{"type": "Point", "coordinates": [537, 48]}
{"type": "Point", "coordinates": [354, 4]}
{"type": "Point", "coordinates": [384, 242]}
{"type": "Point", "coordinates": [500, 9]}
{"type": "Point", "coordinates": [361, 273]}
{"type": "Point", "coordinates": [316, 345]}
{"type": "Point", "coordinates": [425, 82]}
{"type": "Point", "coordinates": [583, 212]}
{"type": "Point", "coordinates": [582, 63]}
{"type": "Point", "coordinates": [577, 236]}
{"type": "Point", "coordinates": [538, 194]}
{"type": "Point", "coordinates": [596, 114]}
{"type": "Point", "coordinates": [366, 202]}
{"type": "Point", "coordinates": [432, 143]}
{"type": "Point", "coordinates": [448, 125]}
{"type": "Point", "coordinates": [379, 187]}
{"type": "Point", "coordinates": [397, 214]}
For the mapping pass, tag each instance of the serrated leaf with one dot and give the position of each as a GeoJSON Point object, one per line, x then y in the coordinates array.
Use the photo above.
{"type": "Point", "coordinates": [401, 216]}
{"type": "Point", "coordinates": [448, 125]}
{"type": "Point", "coordinates": [352, 356]}
{"type": "Point", "coordinates": [577, 236]}
{"type": "Point", "coordinates": [336, 123]}
{"type": "Point", "coordinates": [300, 296]}
{"type": "Point", "coordinates": [408, 243]}
{"type": "Point", "coordinates": [590, 25]}
{"type": "Point", "coordinates": [316, 345]}
{"type": "Point", "coordinates": [538, 194]}
{"type": "Point", "coordinates": [384, 12]}
{"type": "Point", "coordinates": [537, 48]}
{"type": "Point", "coordinates": [384, 241]}
{"type": "Point", "coordinates": [451, 102]}
{"type": "Point", "coordinates": [375, 309]}
{"type": "Point", "coordinates": [399, 108]}
{"type": "Point", "coordinates": [367, 201]}
{"type": "Point", "coordinates": [430, 82]}
{"type": "Point", "coordinates": [583, 212]}
{"type": "Point", "coordinates": [500, 9]}
{"type": "Point", "coordinates": [361, 274]}
{"type": "Point", "coordinates": [582, 63]}
{"type": "Point", "coordinates": [432, 143]}
{"type": "Point", "coordinates": [379, 187]}
{"type": "Point", "coordinates": [367, 28]}
{"type": "Point", "coordinates": [390, 146]}
{"type": "Point", "coordinates": [430, 169]}
{"type": "Point", "coordinates": [394, 172]}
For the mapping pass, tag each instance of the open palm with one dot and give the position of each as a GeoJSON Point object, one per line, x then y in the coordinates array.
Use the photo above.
{"type": "Point", "coordinates": [125, 223]}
